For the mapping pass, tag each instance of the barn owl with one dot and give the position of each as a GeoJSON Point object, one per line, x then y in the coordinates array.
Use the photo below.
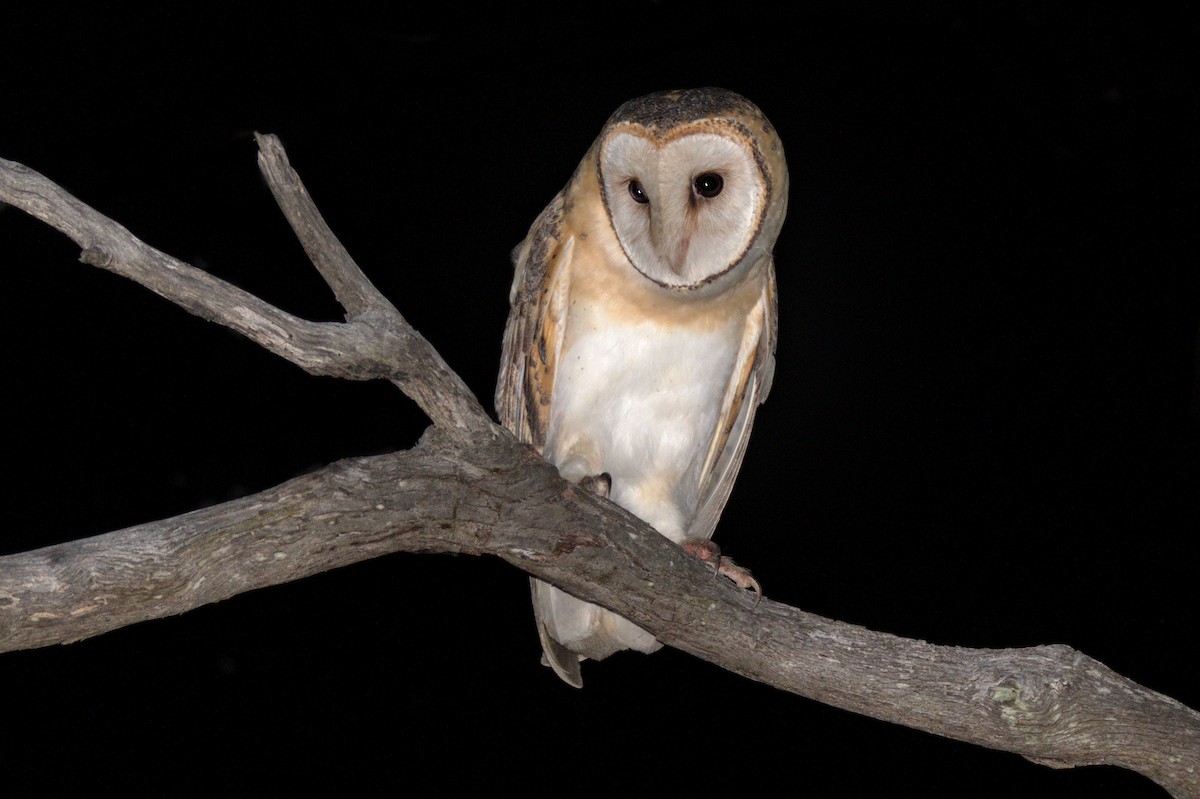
{"type": "Point", "coordinates": [641, 336]}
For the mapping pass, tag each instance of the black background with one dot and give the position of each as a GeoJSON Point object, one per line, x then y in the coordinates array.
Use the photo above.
{"type": "Point", "coordinates": [983, 431]}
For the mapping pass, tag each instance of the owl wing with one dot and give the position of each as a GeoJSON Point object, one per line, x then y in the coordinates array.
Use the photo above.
{"type": "Point", "coordinates": [748, 387]}
{"type": "Point", "coordinates": [532, 340]}
{"type": "Point", "coordinates": [534, 331]}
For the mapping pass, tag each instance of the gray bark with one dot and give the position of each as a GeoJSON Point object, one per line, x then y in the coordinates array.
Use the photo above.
{"type": "Point", "coordinates": [469, 487]}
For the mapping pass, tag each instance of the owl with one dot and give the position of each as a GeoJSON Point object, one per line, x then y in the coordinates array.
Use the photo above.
{"type": "Point", "coordinates": [641, 336]}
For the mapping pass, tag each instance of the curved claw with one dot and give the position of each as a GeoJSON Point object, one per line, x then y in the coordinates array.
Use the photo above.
{"type": "Point", "coordinates": [741, 577]}
{"type": "Point", "coordinates": [709, 552]}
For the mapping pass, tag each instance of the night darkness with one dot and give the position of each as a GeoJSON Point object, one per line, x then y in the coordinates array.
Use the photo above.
{"type": "Point", "coordinates": [984, 428]}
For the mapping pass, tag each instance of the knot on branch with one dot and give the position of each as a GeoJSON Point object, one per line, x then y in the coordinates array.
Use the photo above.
{"type": "Point", "coordinates": [96, 256]}
{"type": "Point", "coordinates": [1031, 700]}
{"type": "Point", "coordinates": [1025, 701]}
{"type": "Point", "coordinates": [568, 542]}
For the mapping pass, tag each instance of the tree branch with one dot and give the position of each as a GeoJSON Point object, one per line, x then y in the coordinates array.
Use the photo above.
{"type": "Point", "coordinates": [353, 290]}
{"type": "Point", "coordinates": [469, 487]}
{"type": "Point", "coordinates": [374, 342]}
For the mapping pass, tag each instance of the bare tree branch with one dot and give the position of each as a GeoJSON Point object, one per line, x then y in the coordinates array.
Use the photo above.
{"type": "Point", "coordinates": [353, 290]}
{"type": "Point", "coordinates": [470, 487]}
{"type": "Point", "coordinates": [374, 342]}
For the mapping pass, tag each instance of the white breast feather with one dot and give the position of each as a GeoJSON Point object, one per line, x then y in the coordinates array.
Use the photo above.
{"type": "Point", "coordinates": [640, 401]}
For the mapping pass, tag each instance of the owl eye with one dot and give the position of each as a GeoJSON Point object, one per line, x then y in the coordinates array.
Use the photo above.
{"type": "Point", "coordinates": [637, 192]}
{"type": "Point", "coordinates": [708, 185]}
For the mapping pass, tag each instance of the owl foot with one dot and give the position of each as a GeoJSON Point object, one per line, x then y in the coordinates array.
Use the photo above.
{"type": "Point", "coordinates": [709, 552]}
{"type": "Point", "coordinates": [598, 484]}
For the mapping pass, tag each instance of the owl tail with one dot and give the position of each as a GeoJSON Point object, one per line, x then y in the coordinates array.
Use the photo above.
{"type": "Point", "coordinates": [572, 630]}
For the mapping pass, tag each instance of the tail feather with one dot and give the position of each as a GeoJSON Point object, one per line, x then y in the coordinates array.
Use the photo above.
{"type": "Point", "coordinates": [572, 630]}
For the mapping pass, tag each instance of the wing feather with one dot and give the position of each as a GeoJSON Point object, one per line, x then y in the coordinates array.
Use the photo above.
{"type": "Point", "coordinates": [533, 334]}
{"type": "Point", "coordinates": [532, 342]}
{"type": "Point", "coordinates": [750, 383]}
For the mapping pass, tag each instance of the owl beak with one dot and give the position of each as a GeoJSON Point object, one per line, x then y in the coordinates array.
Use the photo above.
{"type": "Point", "coordinates": [671, 240]}
{"type": "Point", "coordinates": [679, 256]}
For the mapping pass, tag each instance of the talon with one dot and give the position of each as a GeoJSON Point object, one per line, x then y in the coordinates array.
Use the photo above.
{"type": "Point", "coordinates": [598, 484]}
{"type": "Point", "coordinates": [706, 550]}
{"type": "Point", "coordinates": [709, 552]}
{"type": "Point", "coordinates": [741, 577]}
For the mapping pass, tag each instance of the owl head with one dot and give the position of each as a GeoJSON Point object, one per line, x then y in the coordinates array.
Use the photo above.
{"type": "Point", "coordinates": [694, 184]}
